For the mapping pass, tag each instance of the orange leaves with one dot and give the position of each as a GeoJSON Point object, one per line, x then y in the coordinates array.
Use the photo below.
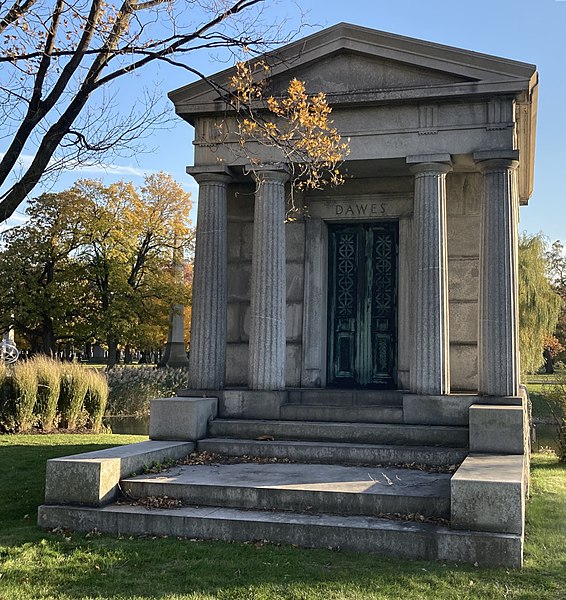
{"type": "Point", "coordinates": [298, 124]}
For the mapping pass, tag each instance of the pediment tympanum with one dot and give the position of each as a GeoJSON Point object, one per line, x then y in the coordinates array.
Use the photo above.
{"type": "Point", "coordinates": [345, 60]}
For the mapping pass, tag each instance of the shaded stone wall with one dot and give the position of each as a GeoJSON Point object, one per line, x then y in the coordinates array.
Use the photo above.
{"type": "Point", "coordinates": [464, 193]}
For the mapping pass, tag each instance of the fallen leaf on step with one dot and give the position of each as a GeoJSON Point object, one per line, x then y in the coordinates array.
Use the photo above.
{"type": "Point", "coordinates": [265, 438]}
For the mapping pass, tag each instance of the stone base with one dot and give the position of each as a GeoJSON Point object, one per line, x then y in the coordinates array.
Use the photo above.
{"type": "Point", "coordinates": [498, 429]}
{"type": "Point", "coordinates": [450, 409]}
{"type": "Point", "coordinates": [92, 478]}
{"type": "Point", "coordinates": [437, 410]}
{"type": "Point", "coordinates": [488, 494]}
{"type": "Point", "coordinates": [243, 403]}
{"type": "Point", "coordinates": [181, 418]}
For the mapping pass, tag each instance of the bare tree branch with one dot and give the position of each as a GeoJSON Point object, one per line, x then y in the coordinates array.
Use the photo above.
{"type": "Point", "coordinates": [65, 55]}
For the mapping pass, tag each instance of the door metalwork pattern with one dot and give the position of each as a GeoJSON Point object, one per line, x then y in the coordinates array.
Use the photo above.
{"type": "Point", "coordinates": [362, 305]}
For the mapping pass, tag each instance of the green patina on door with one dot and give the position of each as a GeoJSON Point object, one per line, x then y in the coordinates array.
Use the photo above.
{"type": "Point", "coordinates": [362, 324]}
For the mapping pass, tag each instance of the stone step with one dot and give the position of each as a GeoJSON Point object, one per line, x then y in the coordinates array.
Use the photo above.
{"type": "Point", "coordinates": [364, 433]}
{"type": "Point", "coordinates": [345, 414]}
{"type": "Point", "coordinates": [334, 397]}
{"type": "Point", "coordinates": [313, 488]}
{"type": "Point", "coordinates": [357, 533]}
{"type": "Point", "coordinates": [335, 452]}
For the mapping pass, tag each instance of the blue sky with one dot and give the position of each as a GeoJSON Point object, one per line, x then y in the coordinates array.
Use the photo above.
{"type": "Point", "coordinates": [527, 30]}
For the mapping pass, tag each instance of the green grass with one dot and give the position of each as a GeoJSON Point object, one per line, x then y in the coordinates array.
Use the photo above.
{"type": "Point", "coordinates": [541, 410]}
{"type": "Point", "coordinates": [43, 565]}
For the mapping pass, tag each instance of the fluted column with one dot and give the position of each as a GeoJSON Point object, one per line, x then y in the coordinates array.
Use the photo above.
{"type": "Point", "coordinates": [207, 358]}
{"type": "Point", "coordinates": [430, 372]}
{"type": "Point", "coordinates": [499, 313]}
{"type": "Point", "coordinates": [268, 289]}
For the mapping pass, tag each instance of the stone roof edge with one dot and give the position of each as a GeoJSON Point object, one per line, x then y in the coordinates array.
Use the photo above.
{"type": "Point", "coordinates": [345, 36]}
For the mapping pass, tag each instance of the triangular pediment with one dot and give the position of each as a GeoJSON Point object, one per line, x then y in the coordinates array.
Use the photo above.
{"type": "Point", "coordinates": [351, 72]}
{"type": "Point", "coordinates": [356, 64]}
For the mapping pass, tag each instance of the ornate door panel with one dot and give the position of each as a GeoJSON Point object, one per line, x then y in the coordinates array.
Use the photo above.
{"type": "Point", "coordinates": [362, 305]}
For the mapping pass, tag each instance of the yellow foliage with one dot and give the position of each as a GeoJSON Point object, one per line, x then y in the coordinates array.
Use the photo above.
{"type": "Point", "coordinates": [298, 124]}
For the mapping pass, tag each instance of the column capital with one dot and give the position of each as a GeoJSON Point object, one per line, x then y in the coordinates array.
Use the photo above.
{"type": "Point", "coordinates": [496, 160]}
{"type": "Point", "coordinates": [210, 174]}
{"type": "Point", "coordinates": [440, 163]}
{"type": "Point", "coordinates": [276, 172]}
{"type": "Point", "coordinates": [492, 165]}
{"type": "Point", "coordinates": [430, 168]}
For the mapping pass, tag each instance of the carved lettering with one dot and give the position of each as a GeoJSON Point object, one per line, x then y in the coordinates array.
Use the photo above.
{"type": "Point", "coordinates": [373, 209]}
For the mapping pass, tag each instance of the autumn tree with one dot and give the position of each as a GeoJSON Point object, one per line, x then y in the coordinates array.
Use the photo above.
{"type": "Point", "coordinates": [128, 241]}
{"type": "Point", "coordinates": [61, 61]}
{"type": "Point", "coordinates": [40, 298]}
{"type": "Point", "coordinates": [296, 124]}
{"type": "Point", "coordinates": [100, 269]}
{"type": "Point", "coordinates": [539, 305]}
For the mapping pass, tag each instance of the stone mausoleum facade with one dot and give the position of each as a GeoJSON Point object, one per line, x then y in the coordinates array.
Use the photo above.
{"type": "Point", "coordinates": [379, 330]}
{"type": "Point", "coordinates": [405, 277]}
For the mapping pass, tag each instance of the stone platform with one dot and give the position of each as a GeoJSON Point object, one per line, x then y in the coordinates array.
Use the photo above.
{"type": "Point", "coordinates": [332, 489]}
{"type": "Point", "coordinates": [402, 488]}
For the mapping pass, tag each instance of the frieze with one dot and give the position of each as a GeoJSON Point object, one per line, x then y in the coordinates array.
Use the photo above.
{"type": "Point", "coordinates": [370, 207]}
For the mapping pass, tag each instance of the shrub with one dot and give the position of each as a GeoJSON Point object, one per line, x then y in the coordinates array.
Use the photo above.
{"type": "Point", "coordinates": [74, 387]}
{"type": "Point", "coordinates": [96, 398]}
{"type": "Point", "coordinates": [555, 397]}
{"type": "Point", "coordinates": [25, 386]}
{"type": "Point", "coordinates": [132, 388]}
{"type": "Point", "coordinates": [49, 374]}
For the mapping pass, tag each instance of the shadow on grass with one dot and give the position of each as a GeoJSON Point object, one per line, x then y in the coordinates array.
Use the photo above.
{"type": "Point", "coordinates": [39, 564]}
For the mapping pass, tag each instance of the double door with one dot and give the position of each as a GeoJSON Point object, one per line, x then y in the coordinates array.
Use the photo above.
{"type": "Point", "coordinates": [362, 304]}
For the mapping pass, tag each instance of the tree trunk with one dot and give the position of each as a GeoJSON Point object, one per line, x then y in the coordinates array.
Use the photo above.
{"type": "Point", "coordinates": [48, 345]}
{"type": "Point", "coordinates": [112, 352]}
{"type": "Point", "coordinates": [548, 362]}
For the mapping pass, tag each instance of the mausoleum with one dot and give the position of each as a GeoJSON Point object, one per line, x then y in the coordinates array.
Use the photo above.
{"type": "Point", "coordinates": [381, 326]}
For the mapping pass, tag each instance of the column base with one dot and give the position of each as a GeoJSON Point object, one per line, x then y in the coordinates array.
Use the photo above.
{"type": "Point", "coordinates": [243, 403]}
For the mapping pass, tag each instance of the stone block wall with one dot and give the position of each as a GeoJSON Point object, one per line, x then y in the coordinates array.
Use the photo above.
{"type": "Point", "coordinates": [464, 193]}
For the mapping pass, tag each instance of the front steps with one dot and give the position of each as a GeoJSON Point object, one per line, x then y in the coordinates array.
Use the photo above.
{"type": "Point", "coordinates": [362, 433]}
{"type": "Point", "coordinates": [313, 488]}
{"type": "Point", "coordinates": [336, 452]}
{"type": "Point", "coordinates": [338, 442]}
{"type": "Point", "coordinates": [343, 414]}
{"type": "Point", "coordinates": [316, 483]}
{"type": "Point", "coordinates": [356, 533]}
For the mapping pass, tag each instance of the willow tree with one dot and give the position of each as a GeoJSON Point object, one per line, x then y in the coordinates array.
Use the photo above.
{"type": "Point", "coordinates": [539, 304]}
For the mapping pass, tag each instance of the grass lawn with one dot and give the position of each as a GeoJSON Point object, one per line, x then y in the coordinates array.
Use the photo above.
{"type": "Point", "coordinates": [39, 564]}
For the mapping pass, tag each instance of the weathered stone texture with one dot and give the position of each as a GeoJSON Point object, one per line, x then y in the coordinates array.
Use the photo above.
{"type": "Point", "coordinates": [499, 324]}
{"type": "Point", "coordinates": [464, 367]}
{"type": "Point", "coordinates": [430, 373]}
{"type": "Point", "coordinates": [207, 360]}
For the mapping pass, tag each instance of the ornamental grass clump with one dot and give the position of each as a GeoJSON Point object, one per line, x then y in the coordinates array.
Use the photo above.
{"type": "Point", "coordinates": [49, 373]}
{"type": "Point", "coordinates": [25, 388]}
{"type": "Point", "coordinates": [96, 398]}
{"type": "Point", "coordinates": [74, 386]}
